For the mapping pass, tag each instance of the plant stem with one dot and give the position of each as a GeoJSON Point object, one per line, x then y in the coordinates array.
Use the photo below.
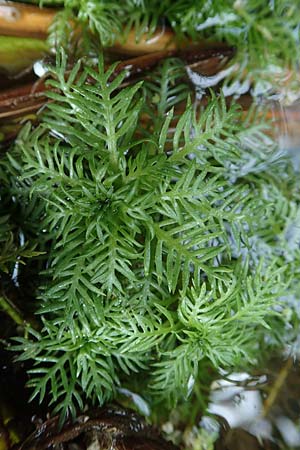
{"type": "Point", "coordinates": [11, 309]}
{"type": "Point", "coordinates": [17, 19]}
{"type": "Point", "coordinates": [276, 388]}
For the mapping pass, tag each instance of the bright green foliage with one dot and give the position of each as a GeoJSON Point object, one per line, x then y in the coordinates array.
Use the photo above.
{"type": "Point", "coordinates": [169, 242]}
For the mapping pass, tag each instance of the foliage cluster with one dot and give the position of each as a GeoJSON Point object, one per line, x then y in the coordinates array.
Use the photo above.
{"type": "Point", "coordinates": [265, 33]}
{"type": "Point", "coordinates": [171, 239]}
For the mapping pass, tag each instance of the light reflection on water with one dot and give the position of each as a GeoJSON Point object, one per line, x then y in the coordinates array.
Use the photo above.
{"type": "Point", "coordinates": [265, 406]}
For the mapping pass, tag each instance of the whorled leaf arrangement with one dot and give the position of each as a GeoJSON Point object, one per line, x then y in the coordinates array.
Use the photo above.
{"type": "Point", "coordinates": [170, 244]}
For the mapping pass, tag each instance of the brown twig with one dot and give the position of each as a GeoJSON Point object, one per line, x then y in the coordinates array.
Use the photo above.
{"type": "Point", "coordinates": [161, 39]}
{"type": "Point", "coordinates": [126, 429]}
{"type": "Point", "coordinates": [17, 19]}
{"type": "Point", "coordinates": [30, 97]}
{"type": "Point", "coordinates": [277, 386]}
{"type": "Point", "coordinates": [11, 309]}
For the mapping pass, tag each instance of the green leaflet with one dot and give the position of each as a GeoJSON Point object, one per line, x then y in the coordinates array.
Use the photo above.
{"type": "Point", "coordinates": [159, 257]}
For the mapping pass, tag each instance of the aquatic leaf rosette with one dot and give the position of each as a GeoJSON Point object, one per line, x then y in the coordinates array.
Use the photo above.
{"type": "Point", "coordinates": [170, 240]}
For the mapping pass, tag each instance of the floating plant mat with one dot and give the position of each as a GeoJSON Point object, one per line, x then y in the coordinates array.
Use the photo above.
{"type": "Point", "coordinates": [149, 223]}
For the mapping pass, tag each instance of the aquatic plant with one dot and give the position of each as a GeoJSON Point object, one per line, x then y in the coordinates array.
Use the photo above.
{"type": "Point", "coordinates": [168, 239]}
{"type": "Point", "coordinates": [265, 33]}
{"type": "Point", "coordinates": [164, 228]}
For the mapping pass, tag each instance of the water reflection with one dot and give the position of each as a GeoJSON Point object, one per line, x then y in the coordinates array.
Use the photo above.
{"type": "Point", "coordinates": [263, 410]}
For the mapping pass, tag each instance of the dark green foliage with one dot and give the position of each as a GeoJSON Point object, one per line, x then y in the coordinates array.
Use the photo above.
{"type": "Point", "coordinates": [12, 249]}
{"type": "Point", "coordinates": [8, 250]}
{"type": "Point", "coordinates": [170, 247]}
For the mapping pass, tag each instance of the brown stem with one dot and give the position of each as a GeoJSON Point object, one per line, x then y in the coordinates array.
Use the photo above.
{"type": "Point", "coordinates": [22, 100]}
{"type": "Point", "coordinates": [277, 386]}
{"type": "Point", "coordinates": [11, 309]}
{"type": "Point", "coordinates": [162, 39]}
{"type": "Point", "coordinates": [126, 429]}
{"type": "Point", "coordinates": [29, 98]}
{"type": "Point", "coordinates": [17, 19]}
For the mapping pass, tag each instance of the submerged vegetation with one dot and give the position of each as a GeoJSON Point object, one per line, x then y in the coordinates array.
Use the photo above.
{"type": "Point", "coordinates": [166, 229]}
